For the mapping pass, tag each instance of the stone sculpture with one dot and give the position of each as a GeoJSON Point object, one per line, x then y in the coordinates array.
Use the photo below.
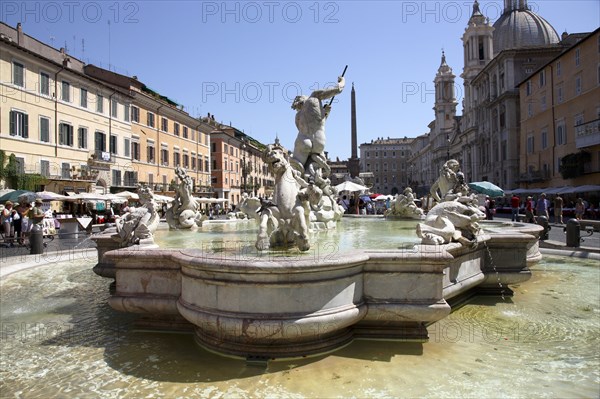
{"type": "Point", "coordinates": [283, 222]}
{"type": "Point", "coordinates": [139, 223]}
{"type": "Point", "coordinates": [184, 212]}
{"type": "Point", "coordinates": [456, 216]}
{"type": "Point", "coordinates": [247, 208]}
{"type": "Point", "coordinates": [404, 206]}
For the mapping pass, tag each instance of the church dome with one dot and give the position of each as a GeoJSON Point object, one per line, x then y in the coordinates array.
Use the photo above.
{"type": "Point", "coordinates": [521, 27]}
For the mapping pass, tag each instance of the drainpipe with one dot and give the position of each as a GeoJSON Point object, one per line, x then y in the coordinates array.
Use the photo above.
{"type": "Point", "coordinates": [553, 121]}
{"type": "Point", "coordinates": [158, 158]}
{"type": "Point", "coordinates": [56, 111]}
{"type": "Point", "coordinates": [197, 150]}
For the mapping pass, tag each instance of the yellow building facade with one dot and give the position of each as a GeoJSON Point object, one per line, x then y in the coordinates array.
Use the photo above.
{"type": "Point", "coordinates": [84, 128]}
{"type": "Point", "coordinates": [59, 123]}
{"type": "Point", "coordinates": [560, 119]}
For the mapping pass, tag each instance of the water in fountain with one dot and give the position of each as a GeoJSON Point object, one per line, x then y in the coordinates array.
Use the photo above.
{"type": "Point", "coordinates": [61, 339]}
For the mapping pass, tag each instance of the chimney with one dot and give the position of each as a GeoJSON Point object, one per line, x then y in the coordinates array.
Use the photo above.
{"type": "Point", "coordinates": [20, 35]}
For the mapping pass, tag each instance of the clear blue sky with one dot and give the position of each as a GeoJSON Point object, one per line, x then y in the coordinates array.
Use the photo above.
{"type": "Point", "coordinates": [244, 61]}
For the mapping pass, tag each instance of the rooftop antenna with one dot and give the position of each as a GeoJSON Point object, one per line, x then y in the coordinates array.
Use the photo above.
{"type": "Point", "coordinates": [82, 48]}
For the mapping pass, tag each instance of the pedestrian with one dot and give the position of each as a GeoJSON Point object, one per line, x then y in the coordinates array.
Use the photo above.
{"type": "Point", "coordinates": [579, 209]}
{"type": "Point", "coordinates": [22, 210]}
{"type": "Point", "coordinates": [558, 209]}
{"type": "Point", "coordinates": [515, 201]}
{"type": "Point", "coordinates": [542, 207]}
{"type": "Point", "coordinates": [6, 221]}
{"type": "Point", "coordinates": [529, 218]}
{"type": "Point", "coordinates": [36, 214]}
{"type": "Point", "coordinates": [489, 208]}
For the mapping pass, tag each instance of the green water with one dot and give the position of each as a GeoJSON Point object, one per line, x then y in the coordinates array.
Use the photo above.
{"type": "Point", "coordinates": [240, 236]}
{"type": "Point", "coordinates": [60, 339]}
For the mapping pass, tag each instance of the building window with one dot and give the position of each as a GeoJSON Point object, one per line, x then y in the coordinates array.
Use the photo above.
{"type": "Point", "coordinates": [529, 109]}
{"type": "Point", "coordinates": [83, 98]}
{"type": "Point", "coordinates": [126, 112]}
{"type": "Point", "coordinates": [19, 124]}
{"type": "Point", "coordinates": [18, 74]}
{"type": "Point", "coordinates": [528, 88]}
{"type": "Point", "coordinates": [100, 141]}
{"type": "Point", "coordinates": [114, 107]}
{"type": "Point", "coordinates": [150, 154]}
{"type": "Point", "coordinates": [542, 78]}
{"type": "Point", "coordinates": [66, 91]}
{"type": "Point", "coordinates": [150, 119]}
{"type": "Point", "coordinates": [561, 133]}
{"type": "Point", "coordinates": [530, 144]}
{"type": "Point", "coordinates": [186, 160]}
{"type": "Point", "coordinates": [127, 147]}
{"type": "Point", "coordinates": [135, 150]}
{"type": "Point", "coordinates": [558, 69]}
{"type": "Point", "coordinates": [577, 58]}
{"type": "Point", "coordinates": [544, 139]}
{"type": "Point", "coordinates": [164, 156]}
{"type": "Point", "coordinates": [135, 114]}
{"type": "Point", "coordinates": [44, 129]}
{"type": "Point", "coordinates": [131, 179]}
{"type": "Point", "coordinates": [65, 170]}
{"type": "Point", "coordinates": [45, 168]}
{"type": "Point", "coordinates": [185, 132]}
{"type": "Point", "coordinates": [193, 161]}
{"type": "Point", "coordinates": [559, 94]}
{"type": "Point", "coordinates": [164, 124]}
{"type": "Point", "coordinates": [82, 133]}
{"type": "Point", "coordinates": [65, 134]}
{"type": "Point", "coordinates": [113, 144]}
{"type": "Point", "coordinates": [176, 159]}
{"type": "Point", "coordinates": [578, 85]}
{"type": "Point", "coordinates": [543, 103]}
{"type": "Point", "coordinates": [116, 177]}
{"type": "Point", "coordinates": [44, 84]}
{"type": "Point", "coordinates": [100, 103]}
{"type": "Point", "coordinates": [176, 129]}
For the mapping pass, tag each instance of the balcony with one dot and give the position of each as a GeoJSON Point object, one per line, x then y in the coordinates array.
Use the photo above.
{"type": "Point", "coordinates": [587, 134]}
{"type": "Point", "coordinates": [100, 160]}
{"type": "Point", "coordinates": [534, 176]}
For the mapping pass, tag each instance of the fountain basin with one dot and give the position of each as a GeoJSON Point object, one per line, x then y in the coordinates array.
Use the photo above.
{"type": "Point", "coordinates": [257, 304]}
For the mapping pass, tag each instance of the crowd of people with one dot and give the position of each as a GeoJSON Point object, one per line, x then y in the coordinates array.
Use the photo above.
{"type": "Point", "coordinates": [555, 209]}
{"type": "Point", "coordinates": [17, 220]}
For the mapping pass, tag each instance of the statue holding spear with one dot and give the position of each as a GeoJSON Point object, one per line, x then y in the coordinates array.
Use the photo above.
{"type": "Point", "coordinates": [311, 115]}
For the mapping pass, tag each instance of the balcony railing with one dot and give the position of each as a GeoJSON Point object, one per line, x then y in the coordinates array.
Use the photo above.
{"type": "Point", "coordinates": [587, 134]}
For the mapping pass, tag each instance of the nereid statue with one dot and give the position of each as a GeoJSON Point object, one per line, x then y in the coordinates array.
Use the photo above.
{"type": "Point", "coordinates": [456, 216]}
{"type": "Point", "coordinates": [184, 212]}
{"type": "Point", "coordinates": [404, 206]}
{"type": "Point", "coordinates": [139, 223]}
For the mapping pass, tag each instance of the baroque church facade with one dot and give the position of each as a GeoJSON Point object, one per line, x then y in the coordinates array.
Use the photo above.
{"type": "Point", "coordinates": [497, 57]}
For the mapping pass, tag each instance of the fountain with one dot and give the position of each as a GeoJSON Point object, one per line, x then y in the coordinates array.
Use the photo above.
{"type": "Point", "coordinates": [279, 300]}
{"type": "Point", "coordinates": [58, 338]}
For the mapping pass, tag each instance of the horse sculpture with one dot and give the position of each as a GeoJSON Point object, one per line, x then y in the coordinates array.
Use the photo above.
{"type": "Point", "coordinates": [283, 221]}
{"type": "Point", "coordinates": [184, 213]}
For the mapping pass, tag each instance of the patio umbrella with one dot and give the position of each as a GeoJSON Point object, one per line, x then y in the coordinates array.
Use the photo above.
{"type": "Point", "coordinates": [487, 188]}
{"type": "Point", "coordinates": [14, 196]}
{"type": "Point", "coordinates": [350, 186]}
{"type": "Point", "coordinates": [50, 196]}
{"type": "Point", "coordinates": [365, 198]}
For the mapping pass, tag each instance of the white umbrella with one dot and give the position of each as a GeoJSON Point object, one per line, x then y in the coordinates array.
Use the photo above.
{"type": "Point", "coordinates": [50, 196]}
{"type": "Point", "coordinates": [350, 186]}
{"type": "Point", "coordinates": [128, 195]}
